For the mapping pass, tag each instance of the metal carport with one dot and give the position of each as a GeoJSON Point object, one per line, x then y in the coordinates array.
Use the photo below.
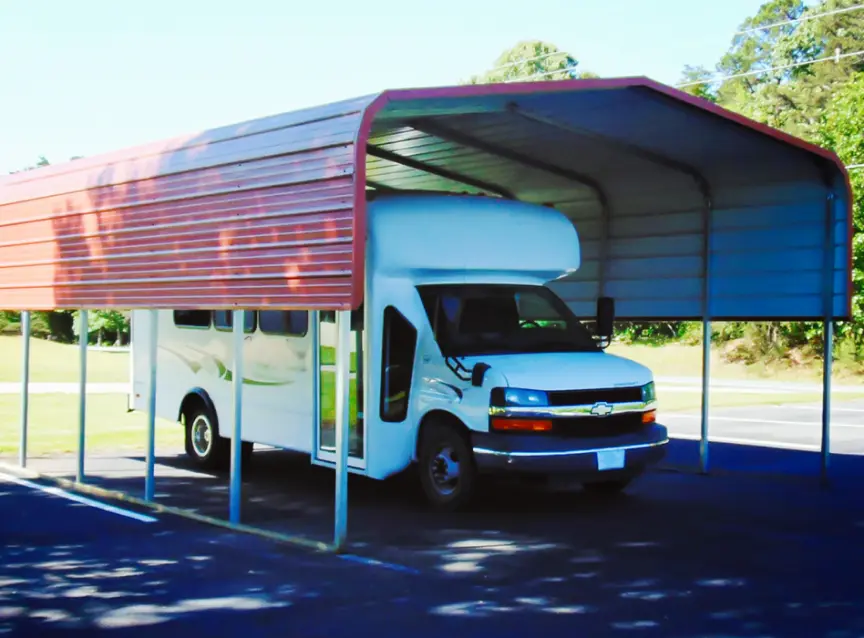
{"type": "Point", "coordinates": [685, 210]}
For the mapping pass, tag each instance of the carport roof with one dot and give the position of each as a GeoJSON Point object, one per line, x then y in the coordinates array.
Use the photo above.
{"type": "Point", "coordinates": [684, 209]}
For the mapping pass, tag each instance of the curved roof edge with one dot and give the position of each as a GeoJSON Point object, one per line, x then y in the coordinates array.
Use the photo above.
{"type": "Point", "coordinates": [480, 90]}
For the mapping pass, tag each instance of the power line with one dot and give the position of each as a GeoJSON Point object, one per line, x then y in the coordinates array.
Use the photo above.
{"type": "Point", "coordinates": [537, 75]}
{"type": "Point", "coordinates": [744, 32]}
{"type": "Point", "coordinates": [526, 60]}
{"type": "Point", "coordinates": [718, 78]}
{"type": "Point", "coordinates": [534, 59]}
{"type": "Point", "coordinates": [801, 19]}
{"type": "Point", "coordinates": [722, 78]}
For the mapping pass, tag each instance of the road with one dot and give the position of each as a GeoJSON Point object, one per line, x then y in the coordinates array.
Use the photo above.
{"type": "Point", "coordinates": [680, 555]}
{"type": "Point", "coordinates": [793, 426]}
{"type": "Point", "coordinates": [72, 566]}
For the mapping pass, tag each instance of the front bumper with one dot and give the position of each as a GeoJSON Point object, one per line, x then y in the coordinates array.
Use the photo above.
{"type": "Point", "coordinates": [538, 454]}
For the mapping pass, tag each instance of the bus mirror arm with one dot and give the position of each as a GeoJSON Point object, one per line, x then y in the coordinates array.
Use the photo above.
{"type": "Point", "coordinates": [478, 372]}
{"type": "Point", "coordinates": [605, 320]}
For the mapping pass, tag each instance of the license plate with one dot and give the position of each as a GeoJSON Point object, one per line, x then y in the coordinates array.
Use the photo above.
{"type": "Point", "coordinates": [610, 460]}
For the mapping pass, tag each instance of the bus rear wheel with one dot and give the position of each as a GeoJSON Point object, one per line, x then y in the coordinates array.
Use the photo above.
{"type": "Point", "coordinates": [205, 446]}
{"type": "Point", "coordinates": [446, 463]}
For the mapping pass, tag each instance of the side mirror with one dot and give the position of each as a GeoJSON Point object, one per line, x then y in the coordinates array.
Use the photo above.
{"type": "Point", "coordinates": [478, 372]}
{"type": "Point", "coordinates": [605, 318]}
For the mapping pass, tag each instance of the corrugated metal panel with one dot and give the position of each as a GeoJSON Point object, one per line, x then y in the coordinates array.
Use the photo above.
{"type": "Point", "coordinates": [259, 215]}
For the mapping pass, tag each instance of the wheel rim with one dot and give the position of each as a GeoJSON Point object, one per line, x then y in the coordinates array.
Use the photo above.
{"type": "Point", "coordinates": [202, 435]}
{"type": "Point", "coordinates": [444, 471]}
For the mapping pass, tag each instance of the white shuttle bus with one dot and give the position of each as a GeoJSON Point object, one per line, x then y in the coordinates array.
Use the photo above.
{"type": "Point", "coordinates": [463, 361]}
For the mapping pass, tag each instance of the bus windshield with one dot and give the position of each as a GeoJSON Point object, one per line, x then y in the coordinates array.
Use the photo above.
{"type": "Point", "coordinates": [486, 319]}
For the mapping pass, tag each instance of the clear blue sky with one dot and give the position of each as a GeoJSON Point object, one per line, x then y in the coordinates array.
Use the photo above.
{"type": "Point", "coordinates": [88, 76]}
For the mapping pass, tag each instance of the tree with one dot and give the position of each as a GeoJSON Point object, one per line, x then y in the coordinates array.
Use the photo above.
{"type": "Point", "coordinates": [840, 127]}
{"type": "Point", "coordinates": [788, 81]}
{"type": "Point", "coordinates": [789, 85]}
{"type": "Point", "coordinates": [534, 61]}
{"type": "Point", "coordinates": [699, 81]}
{"type": "Point", "coordinates": [752, 51]}
{"type": "Point", "coordinates": [104, 322]}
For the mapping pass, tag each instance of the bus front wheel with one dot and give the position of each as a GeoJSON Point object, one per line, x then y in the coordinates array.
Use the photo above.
{"type": "Point", "coordinates": [446, 463]}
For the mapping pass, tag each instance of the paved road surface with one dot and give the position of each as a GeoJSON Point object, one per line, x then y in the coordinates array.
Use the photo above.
{"type": "Point", "coordinates": [71, 569]}
{"type": "Point", "coordinates": [681, 555]}
{"type": "Point", "coordinates": [794, 426]}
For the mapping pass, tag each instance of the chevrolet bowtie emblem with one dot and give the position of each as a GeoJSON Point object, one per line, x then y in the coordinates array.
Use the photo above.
{"type": "Point", "coordinates": [601, 409]}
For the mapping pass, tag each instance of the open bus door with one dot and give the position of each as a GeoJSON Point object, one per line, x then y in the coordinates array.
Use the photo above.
{"type": "Point", "coordinates": [325, 423]}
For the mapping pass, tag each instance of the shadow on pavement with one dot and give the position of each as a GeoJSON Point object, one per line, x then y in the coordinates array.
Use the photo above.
{"type": "Point", "coordinates": [679, 554]}
{"type": "Point", "coordinates": [769, 462]}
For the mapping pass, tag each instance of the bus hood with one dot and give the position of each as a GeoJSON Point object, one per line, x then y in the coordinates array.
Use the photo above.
{"type": "Point", "coordinates": [565, 370]}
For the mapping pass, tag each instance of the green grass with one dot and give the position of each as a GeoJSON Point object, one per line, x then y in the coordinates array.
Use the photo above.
{"type": "Point", "coordinates": [59, 362]}
{"type": "Point", "coordinates": [328, 398]}
{"type": "Point", "coordinates": [53, 425]}
{"type": "Point", "coordinates": [328, 357]}
{"type": "Point", "coordinates": [679, 360]}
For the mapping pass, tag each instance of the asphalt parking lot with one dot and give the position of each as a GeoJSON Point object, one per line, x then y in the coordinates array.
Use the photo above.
{"type": "Point", "coordinates": [69, 568]}
{"type": "Point", "coordinates": [730, 554]}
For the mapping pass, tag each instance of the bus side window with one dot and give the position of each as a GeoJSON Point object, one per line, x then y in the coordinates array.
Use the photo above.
{"type": "Point", "coordinates": [397, 365]}
{"type": "Point", "coordinates": [224, 320]}
{"type": "Point", "coordinates": [292, 323]}
{"type": "Point", "coordinates": [192, 318]}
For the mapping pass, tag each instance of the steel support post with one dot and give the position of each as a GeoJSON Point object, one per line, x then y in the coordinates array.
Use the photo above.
{"type": "Point", "coordinates": [827, 358]}
{"type": "Point", "coordinates": [152, 357]}
{"type": "Point", "coordinates": [83, 337]}
{"type": "Point", "coordinates": [706, 395]}
{"type": "Point", "coordinates": [239, 320]}
{"type": "Point", "coordinates": [25, 387]}
{"type": "Point", "coordinates": [343, 369]}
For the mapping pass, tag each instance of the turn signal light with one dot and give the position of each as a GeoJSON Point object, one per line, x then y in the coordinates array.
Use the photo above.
{"type": "Point", "coordinates": [521, 425]}
{"type": "Point", "coordinates": [649, 417]}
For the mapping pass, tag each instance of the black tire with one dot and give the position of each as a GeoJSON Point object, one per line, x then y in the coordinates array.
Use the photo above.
{"type": "Point", "coordinates": [608, 488]}
{"type": "Point", "coordinates": [442, 445]}
{"type": "Point", "coordinates": [204, 446]}
{"type": "Point", "coordinates": [246, 450]}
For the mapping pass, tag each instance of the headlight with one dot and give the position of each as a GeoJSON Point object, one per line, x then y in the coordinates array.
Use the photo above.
{"type": "Point", "coordinates": [649, 394]}
{"type": "Point", "coordinates": [516, 397]}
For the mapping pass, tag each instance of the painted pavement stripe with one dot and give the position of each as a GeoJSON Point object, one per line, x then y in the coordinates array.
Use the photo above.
{"type": "Point", "coordinates": [54, 491]}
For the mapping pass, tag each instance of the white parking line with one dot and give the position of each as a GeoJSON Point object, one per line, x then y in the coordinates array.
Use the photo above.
{"type": "Point", "coordinates": [756, 420]}
{"type": "Point", "coordinates": [737, 441]}
{"type": "Point", "coordinates": [819, 407]}
{"type": "Point", "coordinates": [55, 491]}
